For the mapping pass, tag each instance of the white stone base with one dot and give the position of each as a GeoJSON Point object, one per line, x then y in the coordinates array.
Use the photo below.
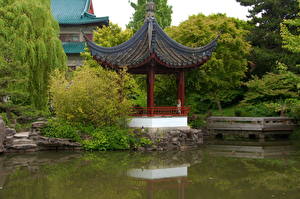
{"type": "Point", "coordinates": [152, 174]}
{"type": "Point", "coordinates": [158, 122]}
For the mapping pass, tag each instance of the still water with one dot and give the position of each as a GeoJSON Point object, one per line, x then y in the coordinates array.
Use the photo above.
{"type": "Point", "coordinates": [218, 171]}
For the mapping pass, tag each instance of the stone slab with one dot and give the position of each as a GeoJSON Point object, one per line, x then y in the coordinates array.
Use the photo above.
{"type": "Point", "coordinates": [22, 141]}
{"type": "Point", "coordinates": [22, 135]}
{"type": "Point", "coordinates": [23, 146]}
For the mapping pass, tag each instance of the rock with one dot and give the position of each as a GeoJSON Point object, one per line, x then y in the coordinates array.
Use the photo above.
{"type": "Point", "coordinates": [23, 147]}
{"type": "Point", "coordinates": [8, 141]}
{"type": "Point", "coordinates": [10, 132]}
{"type": "Point", "coordinates": [39, 124]}
{"type": "Point", "coordinates": [21, 135]}
{"type": "Point", "coordinates": [174, 139]}
{"type": "Point", "coordinates": [33, 134]}
{"type": "Point", "coordinates": [22, 141]}
{"type": "Point", "coordinates": [195, 131]}
{"type": "Point", "coordinates": [174, 132]}
{"type": "Point", "coordinates": [22, 144]}
{"type": "Point", "coordinates": [56, 142]}
{"type": "Point", "coordinates": [2, 135]}
{"type": "Point", "coordinates": [141, 149]}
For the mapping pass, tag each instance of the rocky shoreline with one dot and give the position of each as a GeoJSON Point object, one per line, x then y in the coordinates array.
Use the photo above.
{"type": "Point", "coordinates": [32, 141]}
{"type": "Point", "coordinates": [174, 140]}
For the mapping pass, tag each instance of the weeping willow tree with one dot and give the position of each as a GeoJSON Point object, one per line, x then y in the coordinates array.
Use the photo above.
{"type": "Point", "coordinates": [29, 50]}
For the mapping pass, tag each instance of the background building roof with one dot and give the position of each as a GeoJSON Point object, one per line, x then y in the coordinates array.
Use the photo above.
{"type": "Point", "coordinates": [75, 12]}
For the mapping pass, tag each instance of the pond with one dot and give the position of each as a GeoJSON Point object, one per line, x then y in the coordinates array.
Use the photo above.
{"type": "Point", "coordinates": [217, 171]}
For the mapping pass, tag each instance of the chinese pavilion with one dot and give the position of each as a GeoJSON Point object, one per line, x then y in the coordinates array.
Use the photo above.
{"type": "Point", "coordinates": [75, 16]}
{"type": "Point", "coordinates": [151, 51]}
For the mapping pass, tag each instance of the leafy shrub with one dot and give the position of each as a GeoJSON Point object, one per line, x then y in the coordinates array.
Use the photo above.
{"type": "Point", "coordinates": [114, 138]}
{"type": "Point", "coordinates": [197, 121]}
{"type": "Point", "coordinates": [92, 138]}
{"type": "Point", "coordinates": [273, 87]}
{"type": "Point", "coordinates": [108, 138]}
{"type": "Point", "coordinates": [295, 112]}
{"type": "Point", "coordinates": [273, 94]}
{"type": "Point", "coordinates": [92, 96]}
{"type": "Point", "coordinates": [61, 129]}
{"type": "Point", "coordinates": [254, 110]}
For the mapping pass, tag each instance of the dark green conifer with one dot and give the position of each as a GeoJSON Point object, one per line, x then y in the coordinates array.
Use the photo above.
{"type": "Point", "coordinates": [266, 17]}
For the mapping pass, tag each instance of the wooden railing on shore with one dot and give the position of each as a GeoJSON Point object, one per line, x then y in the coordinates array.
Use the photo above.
{"type": "Point", "coordinates": [159, 111]}
{"type": "Point", "coordinates": [263, 124]}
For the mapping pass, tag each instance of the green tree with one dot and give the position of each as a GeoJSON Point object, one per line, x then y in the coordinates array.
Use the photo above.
{"type": "Point", "coordinates": [220, 78]}
{"type": "Point", "coordinates": [276, 92]}
{"type": "Point", "coordinates": [92, 95]}
{"type": "Point", "coordinates": [265, 18]}
{"type": "Point", "coordinates": [112, 35]}
{"type": "Point", "coordinates": [291, 41]}
{"type": "Point", "coordinates": [163, 14]}
{"type": "Point", "coordinates": [29, 50]}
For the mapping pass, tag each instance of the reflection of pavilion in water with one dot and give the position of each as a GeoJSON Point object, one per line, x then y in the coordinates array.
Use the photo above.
{"type": "Point", "coordinates": [154, 179]}
{"type": "Point", "coordinates": [251, 149]}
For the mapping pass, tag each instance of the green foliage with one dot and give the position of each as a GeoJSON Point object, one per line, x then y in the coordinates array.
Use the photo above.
{"type": "Point", "coordinates": [273, 87]}
{"type": "Point", "coordinates": [197, 121]}
{"type": "Point", "coordinates": [163, 14]}
{"type": "Point", "coordinates": [277, 93]}
{"type": "Point", "coordinates": [61, 129]}
{"type": "Point", "coordinates": [255, 110]}
{"type": "Point", "coordinates": [92, 96]}
{"type": "Point", "coordinates": [291, 41]}
{"type": "Point", "coordinates": [95, 138]}
{"type": "Point", "coordinates": [165, 90]}
{"type": "Point", "coordinates": [114, 138]}
{"type": "Point", "coordinates": [266, 17]}
{"type": "Point", "coordinates": [29, 50]}
{"type": "Point", "coordinates": [112, 35]}
{"type": "Point", "coordinates": [219, 80]}
{"type": "Point", "coordinates": [108, 138]}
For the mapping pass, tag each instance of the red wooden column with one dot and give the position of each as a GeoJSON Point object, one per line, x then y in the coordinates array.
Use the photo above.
{"type": "Point", "coordinates": [181, 87]}
{"type": "Point", "coordinates": [150, 87]}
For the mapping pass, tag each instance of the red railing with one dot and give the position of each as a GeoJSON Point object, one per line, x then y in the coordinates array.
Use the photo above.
{"type": "Point", "coordinates": [159, 111]}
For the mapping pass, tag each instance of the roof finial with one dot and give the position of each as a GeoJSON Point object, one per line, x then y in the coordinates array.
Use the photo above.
{"type": "Point", "coordinates": [150, 9]}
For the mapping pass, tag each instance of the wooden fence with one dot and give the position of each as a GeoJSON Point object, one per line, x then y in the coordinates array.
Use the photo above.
{"type": "Point", "coordinates": [159, 111]}
{"type": "Point", "coordinates": [250, 125]}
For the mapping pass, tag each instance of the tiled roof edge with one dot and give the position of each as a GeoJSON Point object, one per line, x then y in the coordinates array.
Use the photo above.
{"type": "Point", "coordinates": [93, 20]}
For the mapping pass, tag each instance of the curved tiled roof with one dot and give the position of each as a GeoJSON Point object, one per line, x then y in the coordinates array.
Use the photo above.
{"type": "Point", "coordinates": [73, 47]}
{"type": "Point", "coordinates": [151, 43]}
{"type": "Point", "coordinates": [74, 12]}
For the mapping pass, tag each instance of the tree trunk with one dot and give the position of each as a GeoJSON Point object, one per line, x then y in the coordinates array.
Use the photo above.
{"type": "Point", "coordinates": [219, 105]}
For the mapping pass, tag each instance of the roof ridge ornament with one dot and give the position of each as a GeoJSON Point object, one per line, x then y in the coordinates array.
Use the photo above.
{"type": "Point", "coordinates": [150, 9]}
{"type": "Point", "coordinates": [150, 33]}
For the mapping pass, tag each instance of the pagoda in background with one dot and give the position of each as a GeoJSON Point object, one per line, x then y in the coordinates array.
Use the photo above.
{"type": "Point", "coordinates": [75, 17]}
